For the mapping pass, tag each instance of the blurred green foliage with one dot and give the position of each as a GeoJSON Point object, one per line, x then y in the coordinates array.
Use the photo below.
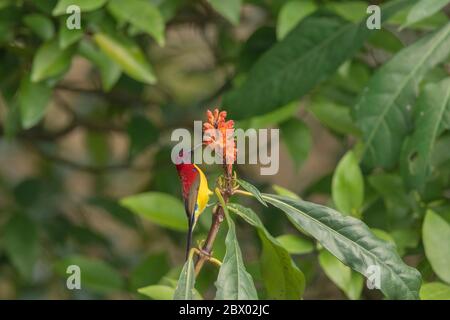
{"type": "Point", "coordinates": [86, 117]}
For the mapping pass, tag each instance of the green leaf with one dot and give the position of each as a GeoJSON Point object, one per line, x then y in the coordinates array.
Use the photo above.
{"type": "Point", "coordinates": [347, 280]}
{"type": "Point", "coordinates": [352, 242]}
{"type": "Point", "coordinates": [110, 205]}
{"type": "Point", "coordinates": [424, 9]}
{"type": "Point", "coordinates": [50, 60]}
{"type": "Point", "coordinates": [141, 14]}
{"type": "Point", "coordinates": [5, 3]}
{"type": "Point", "coordinates": [270, 119]}
{"type": "Point", "coordinates": [256, 45]}
{"type": "Point", "coordinates": [385, 39]}
{"type": "Point", "coordinates": [230, 9]}
{"type": "Point", "coordinates": [396, 200]}
{"type": "Point", "coordinates": [310, 53]}
{"type": "Point", "coordinates": [435, 291]}
{"type": "Point", "coordinates": [158, 292]}
{"type": "Point", "coordinates": [334, 116]}
{"type": "Point", "coordinates": [436, 236]}
{"type": "Point", "coordinates": [281, 277]}
{"type": "Point", "coordinates": [185, 286]}
{"type": "Point", "coordinates": [383, 112]}
{"type": "Point", "coordinates": [150, 270]}
{"type": "Point", "coordinates": [68, 36]}
{"type": "Point", "coordinates": [33, 99]}
{"type": "Point", "coordinates": [297, 138]}
{"type": "Point", "coordinates": [127, 55]}
{"type": "Point", "coordinates": [85, 5]}
{"type": "Point", "coordinates": [353, 11]}
{"type": "Point", "coordinates": [142, 133]}
{"type": "Point", "coordinates": [432, 117]}
{"type": "Point", "coordinates": [291, 14]}
{"type": "Point", "coordinates": [405, 239]}
{"type": "Point", "coordinates": [347, 188]}
{"type": "Point", "coordinates": [160, 208]}
{"type": "Point", "coordinates": [109, 70]}
{"type": "Point", "coordinates": [284, 192]}
{"type": "Point", "coordinates": [391, 188]}
{"type": "Point", "coordinates": [96, 275]}
{"type": "Point", "coordinates": [383, 235]}
{"type": "Point", "coordinates": [20, 241]}
{"type": "Point", "coordinates": [40, 24]}
{"type": "Point", "coordinates": [168, 9]}
{"type": "Point", "coordinates": [233, 281]}
{"type": "Point", "coordinates": [441, 154]}
{"type": "Point", "coordinates": [295, 245]}
{"type": "Point", "coordinates": [252, 189]}
{"type": "Point", "coordinates": [430, 23]}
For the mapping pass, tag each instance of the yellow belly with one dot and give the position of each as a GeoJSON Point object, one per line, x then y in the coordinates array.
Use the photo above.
{"type": "Point", "coordinates": [203, 193]}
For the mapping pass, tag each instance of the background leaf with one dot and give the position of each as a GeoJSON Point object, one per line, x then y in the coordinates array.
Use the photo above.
{"type": "Point", "coordinates": [96, 275]}
{"type": "Point", "coordinates": [127, 55]}
{"type": "Point", "coordinates": [347, 280]}
{"type": "Point", "coordinates": [284, 192]}
{"type": "Point", "coordinates": [141, 14]}
{"type": "Point", "coordinates": [230, 9]}
{"type": "Point", "coordinates": [68, 36]}
{"type": "Point", "coordinates": [109, 70]}
{"type": "Point", "coordinates": [432, 117]}
{"type": "Point", "coordinates": [158, 292]}
{"type": "Point", "coordinates": [294, 244]}
{"type": "Point", "coordinates": [291, 14]}
{"type": "Point", "coordinates": [297, 138]}
{"type": "Point", "coordinates": [436, 232]}
{"type": "Point", "coordinates": [160, 208]}
{"type": "Point", "coordinates": [114, 209]}
{"type": "Point", "coordinates": [50, 61]}
{"type": "Point", "coordinates": [333, 116]}
{"type": "Point", "coordinates": [423, 9]}
{"type": "Point", "coordinates": [20, 241]}
{"type": "Point", "coordinates": [435, 291]}
{"type": "Point", "coordinates": [40, 24]}
{"type": "Point", "coordinates": [306, 56]}
{"type": "Point", "coordinates": [150, 271]}
{"type": "Point", "coordinates": [33, 101]}
{"type": "Point", "coordinates": [383, 112]}
{"type": "Point", "coordinates": [142, 133]}
{"type": "Point", "coordinates": [348, 185]}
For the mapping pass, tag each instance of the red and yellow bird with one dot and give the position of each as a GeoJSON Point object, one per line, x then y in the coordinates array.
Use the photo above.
{"type": "Point", "coordinates": [195, 192]}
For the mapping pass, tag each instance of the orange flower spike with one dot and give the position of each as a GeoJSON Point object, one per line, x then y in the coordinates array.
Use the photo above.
{"type": "Point", "coordinates": [217, 120]}
{"type": "Point", "coordinates": [210, 117]}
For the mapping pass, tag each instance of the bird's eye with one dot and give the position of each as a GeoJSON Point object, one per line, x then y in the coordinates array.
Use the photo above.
{"type": "Point", "coordinates": [193, 169]}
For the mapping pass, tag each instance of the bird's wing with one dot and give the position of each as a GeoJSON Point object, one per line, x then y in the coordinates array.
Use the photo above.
{"type": "Point", "coordinates": [190, 202]}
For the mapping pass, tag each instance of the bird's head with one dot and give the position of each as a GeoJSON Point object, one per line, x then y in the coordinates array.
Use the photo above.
{"type": "Point", "coordinates": [183, 160]}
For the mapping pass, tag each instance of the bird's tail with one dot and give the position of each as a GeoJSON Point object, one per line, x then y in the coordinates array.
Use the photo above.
{"type": "Point", "coordinates": [191, 224]}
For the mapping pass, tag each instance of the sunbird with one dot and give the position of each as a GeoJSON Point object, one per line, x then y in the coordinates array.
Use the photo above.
{"type": "Point", "coordinates": [195, 193]}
